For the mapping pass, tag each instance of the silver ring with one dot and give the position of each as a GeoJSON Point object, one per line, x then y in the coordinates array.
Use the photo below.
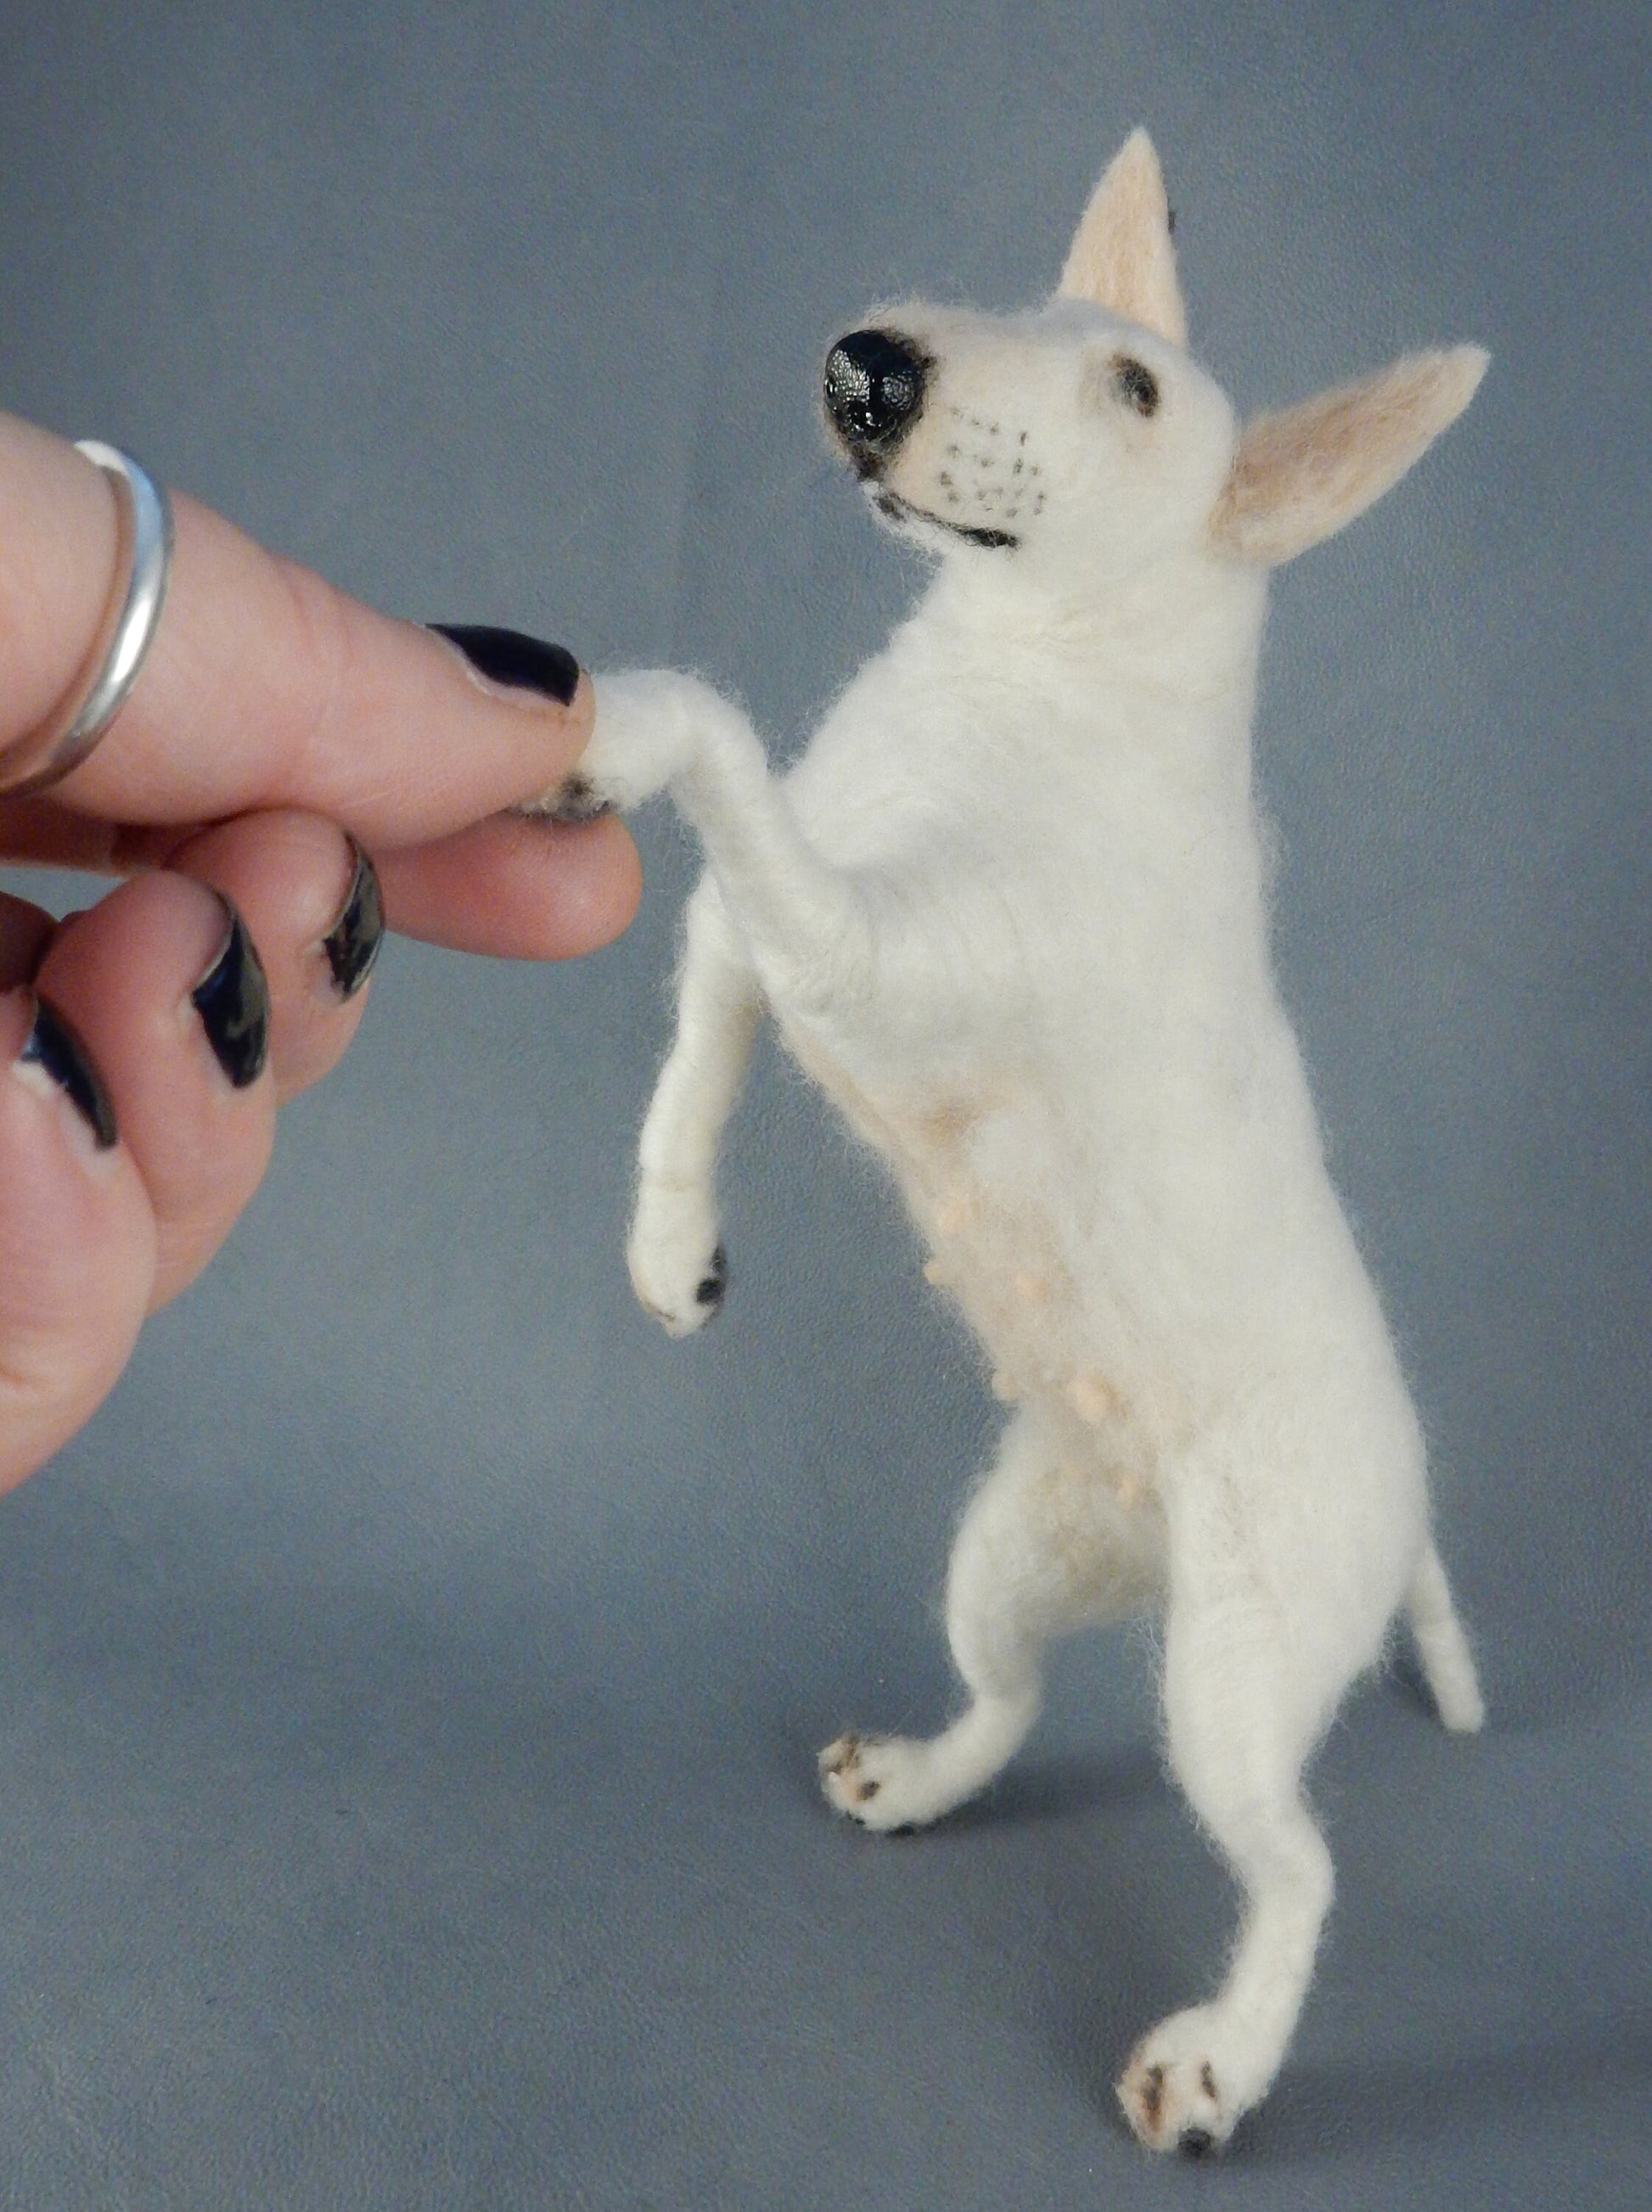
{"type": "Point", "coordinates": [143, 557]}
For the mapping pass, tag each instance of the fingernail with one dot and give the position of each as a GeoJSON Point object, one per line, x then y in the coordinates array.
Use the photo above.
{"type": "Point", "coordinates": [233, 1000]}
{"type": "Point", "coordinates": [507, 656]}
{"type": "Point", "coordinates": [53, 1047]}
{"type": "Point", "coordinates": [352, 943]}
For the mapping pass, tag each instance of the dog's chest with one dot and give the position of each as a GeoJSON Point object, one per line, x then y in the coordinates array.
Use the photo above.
{"type": "Point", "coordinates": [1064, 830]}
{"type": "Point", "coordinates": [1070, 963]}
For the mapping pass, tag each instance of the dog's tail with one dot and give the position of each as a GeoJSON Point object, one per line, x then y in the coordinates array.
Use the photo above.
{"type": "Point", "coordinates": [1447, 1663]}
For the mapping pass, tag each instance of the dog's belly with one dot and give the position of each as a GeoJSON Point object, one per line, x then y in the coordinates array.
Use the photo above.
{"type": "Point", "coordinates": [976, 1163]}
{"type": "Point", "coordinates": [1130, 1303]}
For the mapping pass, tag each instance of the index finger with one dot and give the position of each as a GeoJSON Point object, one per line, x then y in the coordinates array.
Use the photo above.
{"type": "Point", "coordinates": [264, 686]}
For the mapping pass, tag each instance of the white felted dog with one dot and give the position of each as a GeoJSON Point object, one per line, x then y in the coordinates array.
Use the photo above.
{"type": "Point", "coordinates": [1010, 910]}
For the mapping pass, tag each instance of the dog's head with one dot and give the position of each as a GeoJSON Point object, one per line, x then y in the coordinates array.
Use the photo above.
{"type": "Point", "coordinates": [1081, 440]}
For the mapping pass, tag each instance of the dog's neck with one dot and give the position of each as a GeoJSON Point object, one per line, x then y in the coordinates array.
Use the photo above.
{"type": "Point", "coordinates": [1163, 663]}
{"type": "Point", "coordinates": [1192, 626]}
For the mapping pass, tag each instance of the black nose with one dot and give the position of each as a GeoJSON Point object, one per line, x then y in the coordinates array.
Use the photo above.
{"type": "Point", "coordinates": [874, 393]}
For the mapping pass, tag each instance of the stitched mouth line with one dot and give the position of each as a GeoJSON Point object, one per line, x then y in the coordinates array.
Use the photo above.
{"type": "Point", "coordinates": [897, 509]}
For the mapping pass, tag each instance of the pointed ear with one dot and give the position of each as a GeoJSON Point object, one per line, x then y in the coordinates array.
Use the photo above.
{"type": "Point", "coordinates": [1122, 257]}
{"type": "Point", "coordinates": [1298, 476]}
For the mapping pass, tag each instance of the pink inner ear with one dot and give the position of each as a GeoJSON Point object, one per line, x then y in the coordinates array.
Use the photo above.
{"type": "Point", "coordinates": [1122, 257]}
{"type": "Point", "coordinates": [1301, 474]}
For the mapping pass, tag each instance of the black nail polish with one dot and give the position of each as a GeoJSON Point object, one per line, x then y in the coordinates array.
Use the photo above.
{"type": "Point", "coordinates": [507, 656]}
{"type": "Point", "coordinates": [53, 1046]}
{"type": "Point", "coordinates": [352, 943]}
{"type": "Point", "coordinates": [233, 1000]}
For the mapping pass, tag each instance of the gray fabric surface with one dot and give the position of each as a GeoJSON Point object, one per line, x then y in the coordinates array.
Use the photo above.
{"type": "Point", "coordinates": [412, 1677]}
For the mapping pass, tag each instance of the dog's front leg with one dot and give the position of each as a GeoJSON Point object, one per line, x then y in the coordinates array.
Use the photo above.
{"type": "Point", "coordinates": [806, 923]}
{"type": "Point", "coordinates": [678, 1267]}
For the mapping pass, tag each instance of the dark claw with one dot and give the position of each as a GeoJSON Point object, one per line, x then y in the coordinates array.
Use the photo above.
{"type": "Point", "coordinates": [1196, 2142]}
{"type": "Point", "coordinates": [1152, 2095]}
{"type": "Point", "coordinates": [578, 802]}
{"type": "Point", "coordinates": [713, 1288]}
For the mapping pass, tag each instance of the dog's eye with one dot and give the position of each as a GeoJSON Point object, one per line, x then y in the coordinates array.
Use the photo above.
{"type": "Point", "coordinates": [1137, 386]}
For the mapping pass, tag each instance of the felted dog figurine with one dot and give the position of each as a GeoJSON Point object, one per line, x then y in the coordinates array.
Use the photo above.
{"type": "Point", "coordinates": [1009, 909]}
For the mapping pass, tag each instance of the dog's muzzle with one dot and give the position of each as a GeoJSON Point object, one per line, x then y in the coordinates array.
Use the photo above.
{"type": "Point", "coordinates": [874, 393]}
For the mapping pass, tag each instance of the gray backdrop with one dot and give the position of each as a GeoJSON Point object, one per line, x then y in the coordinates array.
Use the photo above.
{"type": "Point", "coordinates": [411, 1678]}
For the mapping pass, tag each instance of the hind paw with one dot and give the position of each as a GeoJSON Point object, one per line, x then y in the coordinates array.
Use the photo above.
{"type": "Point", "coordinates": [883, 1782]}
{"type": "Point", "coordinates": [1176, 2092]}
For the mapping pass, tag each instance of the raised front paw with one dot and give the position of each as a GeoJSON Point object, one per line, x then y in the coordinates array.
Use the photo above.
{"type": "Point", "coordinates": [1178, 2092]}
{"type": "Point", "coordinates": [679, 1270]}
{"type": "Point", "coordinates": [644, 732]}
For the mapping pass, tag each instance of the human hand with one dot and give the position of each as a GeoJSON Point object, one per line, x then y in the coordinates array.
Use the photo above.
{"type": "Point", "coordinates": [278, 734]}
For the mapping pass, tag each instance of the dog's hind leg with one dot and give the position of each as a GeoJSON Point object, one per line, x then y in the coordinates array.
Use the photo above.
{"type": "Point", "coordinates": [1242, 1709]}
{"type": "Point", "coordinates": [678, 1267]}
{"type": "Point", "coordinates": [1041, 1549]}
{"type": "Point", "coordinates": [1447, 1663]}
